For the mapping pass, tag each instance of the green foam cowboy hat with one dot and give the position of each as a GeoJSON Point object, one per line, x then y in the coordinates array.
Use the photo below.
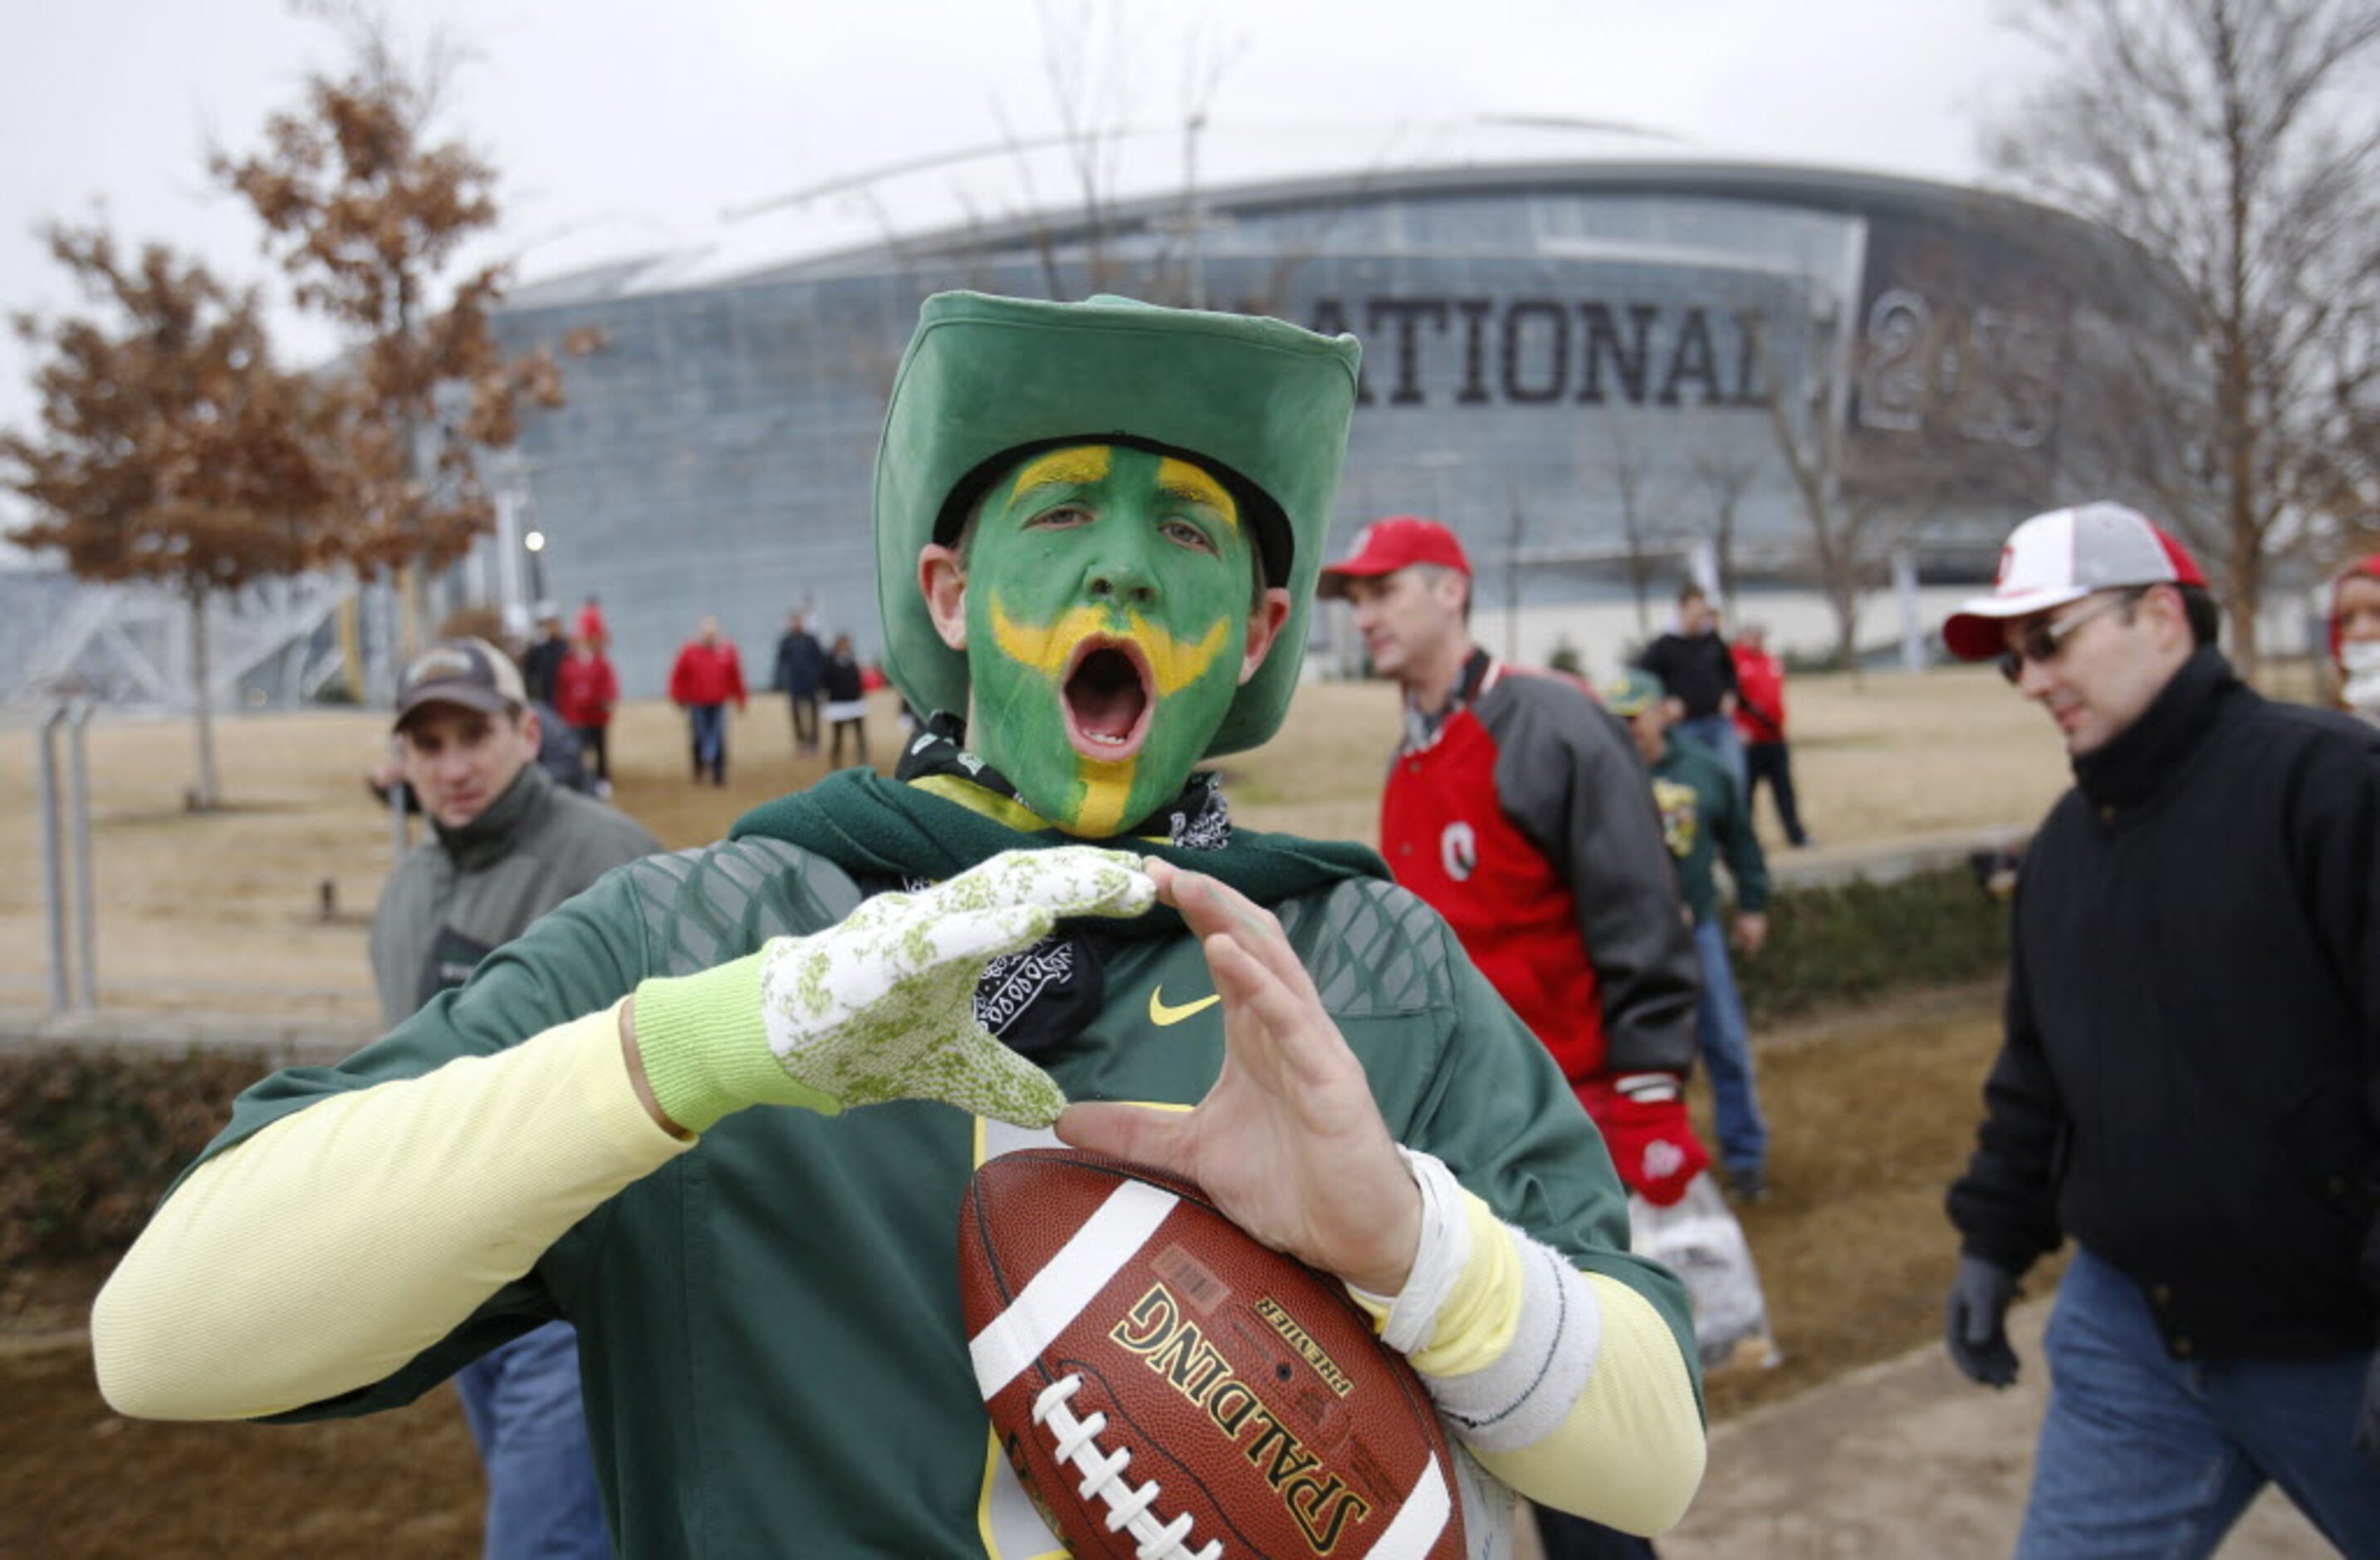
{"type": "Point", "coordinates": [1261, 403]}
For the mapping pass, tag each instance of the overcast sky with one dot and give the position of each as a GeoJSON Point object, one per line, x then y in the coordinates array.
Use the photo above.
{"type": "Point", "coordinates": [651, 117]}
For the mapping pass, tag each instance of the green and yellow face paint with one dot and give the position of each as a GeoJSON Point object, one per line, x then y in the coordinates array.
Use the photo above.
{"type": "Point", "coordinates": [1108, 596]}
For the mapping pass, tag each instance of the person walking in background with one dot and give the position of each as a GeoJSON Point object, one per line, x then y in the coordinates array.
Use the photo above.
{"type": "Point", "coordinates": [705, 677]}
{"type": "Point", "coordinates": [2355, 636]}
{"type": "Point", "coordinates": [1760, 726]}
{"type": "Point", "coordinates": [800, 664]}
{"type": "Point", "coordinates": [586, 691]}
{"type": "Point", "coordinates": [1693, 663]}
{"type": "Point", "coordinates": [1519, 810]}
{"type": "Point", "coordinates": [846, 700]}
{"type": "Point", "coordinates": [2186, 1085]}
{"type": "Point", "coordinates": [1705, 820]}
{"type": "Point", "coordinates": [591, 625]}
{"type": "Point", "coordinates": [506, 844]}
{"type": "Point", "coordinates": [541, 665]}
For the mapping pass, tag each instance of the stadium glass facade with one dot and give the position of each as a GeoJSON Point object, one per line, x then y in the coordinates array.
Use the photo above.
{"type": "Point", "coordinates": [1569, 364]}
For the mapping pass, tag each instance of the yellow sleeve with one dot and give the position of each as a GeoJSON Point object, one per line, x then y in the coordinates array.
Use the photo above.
{"type": "Point", "coordinates": [1629, 1453]}
{"type": "Point", "coordinates": [333, 1246]}
{"type": "Point", "coordinates": [1621, 1439]}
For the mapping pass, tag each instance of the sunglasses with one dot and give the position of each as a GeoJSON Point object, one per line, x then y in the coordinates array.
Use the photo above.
{"type": "Point", "coordinates": [2043, 643]}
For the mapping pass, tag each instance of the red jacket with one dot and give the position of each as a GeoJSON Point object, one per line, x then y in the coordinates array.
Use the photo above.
{"type": "Point", "coordinates": [1760, 696]}
{"type": "Point", "coordinates": [585, 689]}
{"type": "Point", "coordinates": [1528, 822]}
{"type": "Point", "coordinates": [707, 674]}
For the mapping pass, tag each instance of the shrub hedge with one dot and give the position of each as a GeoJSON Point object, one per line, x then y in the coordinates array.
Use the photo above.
{"type": "Point", "coordinates": [90, 1140]}
{"type": "Point", "coordinates": [1843, 944]}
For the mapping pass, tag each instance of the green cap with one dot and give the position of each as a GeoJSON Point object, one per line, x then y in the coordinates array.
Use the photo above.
{"type": "Point", "coordinates": [1261, 403]}
{"type": "Point", "coordinates": [1632, 692]}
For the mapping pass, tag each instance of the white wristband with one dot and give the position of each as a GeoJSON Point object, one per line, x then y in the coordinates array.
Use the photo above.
{"type": "Point", "coordinates": [1439, 1257]}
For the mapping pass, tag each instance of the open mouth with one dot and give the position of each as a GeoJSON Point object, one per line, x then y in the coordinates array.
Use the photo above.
{"type": "Point", "coordinates": [1108, 694]}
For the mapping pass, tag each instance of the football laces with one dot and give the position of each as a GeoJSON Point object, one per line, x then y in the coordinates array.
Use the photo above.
{"type": "Point", "coordinates": [1103, 1476]}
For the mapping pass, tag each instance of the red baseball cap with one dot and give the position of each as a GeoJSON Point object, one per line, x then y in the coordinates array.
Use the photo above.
{"type": "Point", "coordinates": [2063, 556]}
{"type": "Point", "coordinates": [1386, 546]}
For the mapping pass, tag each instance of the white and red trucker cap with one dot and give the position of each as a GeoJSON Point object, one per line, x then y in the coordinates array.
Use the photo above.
{"type": "Point", "coordinates": [2062, 557]}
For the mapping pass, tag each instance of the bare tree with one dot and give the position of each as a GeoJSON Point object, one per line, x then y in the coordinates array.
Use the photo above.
{"type": "Point", "coordinates": [1845, 525]}
{"type": "Point", "coordinates": [369, 213]}
{"type": "Point", "coordinates": [172, 449]}
{"type": "Point", "coordinates": [2238, 140]}
{"type": "Point", "coordinates": [1093, 70]}
{"type": "Point", "coordinates": [1643, 506]}
{"type": "Point", "coordinates": [1516, 539]}
{"type": "Point", "coordinates": [1720, 476]}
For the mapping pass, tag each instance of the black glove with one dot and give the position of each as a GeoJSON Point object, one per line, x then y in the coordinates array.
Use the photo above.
{"type": "Point", "coordinates": [1977, 1334]}
{"type": "Point", "coordinates": [2367, 1423]}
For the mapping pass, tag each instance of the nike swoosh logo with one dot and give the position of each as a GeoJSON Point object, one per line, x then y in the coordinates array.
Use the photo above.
{"type": "Point", "coordinates": [1162, 1016]}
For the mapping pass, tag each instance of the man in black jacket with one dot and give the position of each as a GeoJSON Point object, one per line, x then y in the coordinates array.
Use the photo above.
{"type": "Point", "coordinates": [543, 664]}
{"type": "Point", "coordinates": [801, 661]}
{"type": "Point", "coordinates": [2187, 1084]}
{"type": "Point", "coordinates": [1694, 665]}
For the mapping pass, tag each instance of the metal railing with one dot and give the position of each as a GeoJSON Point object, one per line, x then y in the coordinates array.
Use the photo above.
{"type": "Point", "coordinates": [69, 978]}
{"type": "Point", "coordinates": [68, 836]}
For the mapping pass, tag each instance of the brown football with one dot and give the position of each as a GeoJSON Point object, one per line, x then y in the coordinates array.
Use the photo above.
{"type": "Point", "coordinates": [1167, 1388]}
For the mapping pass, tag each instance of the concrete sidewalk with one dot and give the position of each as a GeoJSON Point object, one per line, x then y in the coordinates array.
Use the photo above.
{"type": "Point", "coordinates": [1905, 1458]}
{"type": "Point", "coordinates": [280, 1039]}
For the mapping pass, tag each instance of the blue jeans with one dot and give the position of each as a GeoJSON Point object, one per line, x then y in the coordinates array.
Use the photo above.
{"type": "Point", "coordinates": [1718, 734]}
{"type": "Point", "coordinates": [709, 728]}
{"type": "Point", "coordinates": [522, 1402]}
{"type": "Point", "coordinates": [2142, 1455]}
{"type": "Point", "coordinates": [1726, 1043]}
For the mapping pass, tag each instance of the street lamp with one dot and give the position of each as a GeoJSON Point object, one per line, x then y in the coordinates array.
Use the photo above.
{"type": "Point", "coordinates": [535, 542]}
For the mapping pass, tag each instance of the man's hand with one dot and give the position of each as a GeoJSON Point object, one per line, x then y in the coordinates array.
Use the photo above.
{"type": "Point", "coordinates": [879, 1006]}
{"type": "Point", "coordinates": [1643, 1119]}
{"type": "Point", "coordinates": [1289, 1141]}
{"type": "Point", "coordinates": [1751, 932]}
{"type": "Point", "coordinates": [1977, 1333]}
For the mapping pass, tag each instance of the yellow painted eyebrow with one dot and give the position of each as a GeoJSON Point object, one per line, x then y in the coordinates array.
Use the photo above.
{"type": "Point", "coordinates": [1073, 465]}
{"type": "Point", "coordinates": [1192, 484]}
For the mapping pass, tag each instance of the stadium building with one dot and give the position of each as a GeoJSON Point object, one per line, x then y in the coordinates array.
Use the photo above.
{"type": "Point", "coordinates": [1607, 362]}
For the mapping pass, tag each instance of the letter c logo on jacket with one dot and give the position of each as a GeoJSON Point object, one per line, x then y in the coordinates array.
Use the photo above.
{"type": "Point", "coordinates": [1458, 850]}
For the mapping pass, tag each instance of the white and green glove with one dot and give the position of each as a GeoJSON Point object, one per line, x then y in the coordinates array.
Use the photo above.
{"type": "Point", "coordinates": [881, 1006]}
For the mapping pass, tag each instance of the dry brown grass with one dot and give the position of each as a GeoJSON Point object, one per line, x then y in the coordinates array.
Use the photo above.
{"type": "Point", "coordinates": [224, 909]}
{"type": "Point", "coordinates": [1871, 1114]}
{"type": "Point", "coordinates": [76, 1481]}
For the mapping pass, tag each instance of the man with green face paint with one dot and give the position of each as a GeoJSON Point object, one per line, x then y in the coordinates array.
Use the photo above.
{"type": "Point", "coordinates": [1099, 526]}
{"type": "Point", "coordinates": [1111, 583]}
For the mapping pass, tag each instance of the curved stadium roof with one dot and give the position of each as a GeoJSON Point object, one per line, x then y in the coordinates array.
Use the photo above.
{"type": "Point", "coordinates": [1020, 192]}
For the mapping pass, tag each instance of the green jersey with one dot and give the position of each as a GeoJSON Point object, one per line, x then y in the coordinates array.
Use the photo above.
{"type": "Point", "coordinates": [770, 1324]}
{"type": "Point", "coordinates": [1705, 820]}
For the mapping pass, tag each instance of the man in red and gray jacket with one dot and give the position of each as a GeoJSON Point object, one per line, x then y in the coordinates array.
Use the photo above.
{"type": "Point", "coordinates": [1518, 808]}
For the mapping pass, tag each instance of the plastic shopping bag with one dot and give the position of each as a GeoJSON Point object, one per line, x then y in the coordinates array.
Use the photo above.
{"type": "Point", "coordinates": [1697, 1237]}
